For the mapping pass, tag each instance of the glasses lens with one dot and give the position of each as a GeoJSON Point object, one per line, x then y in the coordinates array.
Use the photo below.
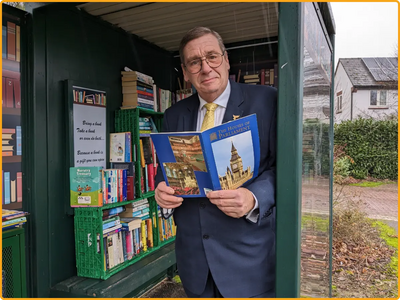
{"type": "Point", "coordinates": [214, 60]}
{"type": "Point", "coordinates": [194, 66]}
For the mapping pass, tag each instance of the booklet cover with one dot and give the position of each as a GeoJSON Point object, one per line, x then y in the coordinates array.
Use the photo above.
{"type": "Point", "coordinates": [223, 157]}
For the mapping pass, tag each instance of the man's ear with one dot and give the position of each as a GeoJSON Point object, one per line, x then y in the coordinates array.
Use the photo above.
{"type": "Point", "coordinates": [227, 60]}
{"type": "Point", "coordinates": [185, 77]}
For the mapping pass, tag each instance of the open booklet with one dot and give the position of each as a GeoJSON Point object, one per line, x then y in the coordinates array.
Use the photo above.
{"type": "Point", "coordinates": [223, 157]}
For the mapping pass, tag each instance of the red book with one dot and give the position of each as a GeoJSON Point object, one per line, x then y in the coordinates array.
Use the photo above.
{"type": "Point", "coordinates": [130, 195]}
{"type": "Point", "coordinates": [9, 92]}
{"type": "Point", "coordinates": [7, 153]}
{"type": "Point", "coordinates": [262, 76]}
{"type": "Point", "coordinates": [144, 93]}
{"type": "Point", "coordinates": [19, 186]}
{"type": "Point", "coordinates": [8, 130]}
{"type": "Point", "coordinates": [3, 97]}
{"type": "Point", "coordinates": [17, 93]}
{"type": "Point", "coordinates": [10, 41]}
{"type": "Point", "coordinates": [150, 175]}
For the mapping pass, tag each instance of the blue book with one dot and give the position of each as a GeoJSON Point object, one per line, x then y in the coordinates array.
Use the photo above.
{"type": "Point", "coordinates": [7, 188]}
{"type": "Point", "coordinates": [220, 158]}
{"type": "Point", "coordinates": [19, 140]}
{"type": "Point", "coordinates": [4, 41]}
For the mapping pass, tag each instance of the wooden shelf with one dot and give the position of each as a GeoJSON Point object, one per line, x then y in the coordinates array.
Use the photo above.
{"type": "Point", "coordinates": [12, 159]}
{"type": "Point", "coordinates": [14, 205]}
{"type": "Point", "coordinates": [11, 111]}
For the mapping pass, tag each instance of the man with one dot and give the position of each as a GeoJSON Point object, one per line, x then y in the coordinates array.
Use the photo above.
{"type": "Point", "coordinates": [225, 243]}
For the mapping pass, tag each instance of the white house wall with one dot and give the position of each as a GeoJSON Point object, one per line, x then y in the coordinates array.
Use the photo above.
{"type": "Point", "coordinates": [362, 108]}
{"type": "Point", "coordinates": [342, 83]}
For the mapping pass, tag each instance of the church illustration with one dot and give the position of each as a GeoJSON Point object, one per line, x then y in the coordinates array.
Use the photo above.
{"type": "Point", "coordinates": [235, 174]}
{"type": "Point", "coordinates": [181, 178]}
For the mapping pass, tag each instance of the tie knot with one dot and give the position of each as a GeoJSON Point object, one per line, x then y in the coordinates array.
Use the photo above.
{"type": "Point", "coordinates": [211, 107]}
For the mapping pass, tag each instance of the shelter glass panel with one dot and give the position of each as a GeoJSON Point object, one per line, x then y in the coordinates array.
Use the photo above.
{"type": "Point", "coordinates": [315, 234]}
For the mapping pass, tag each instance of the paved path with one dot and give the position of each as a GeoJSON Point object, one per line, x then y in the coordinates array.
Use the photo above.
{"type": "Point", "coordinates": [379, 202]}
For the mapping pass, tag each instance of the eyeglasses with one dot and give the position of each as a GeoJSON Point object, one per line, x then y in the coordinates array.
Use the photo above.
{"type": "Point", "coordinates": [214, 60]}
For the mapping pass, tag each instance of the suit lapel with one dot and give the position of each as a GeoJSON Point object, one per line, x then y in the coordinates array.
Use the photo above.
{"type": "Point", "coordinates": [190, 116]}
{"type": "Point", "coordinates": [235, 100]}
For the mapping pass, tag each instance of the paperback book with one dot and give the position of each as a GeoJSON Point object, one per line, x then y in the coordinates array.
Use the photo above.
{"type": "Point", "coordinates": [221, 158]}
{"type": "Point", "coordinates": [86, 186]}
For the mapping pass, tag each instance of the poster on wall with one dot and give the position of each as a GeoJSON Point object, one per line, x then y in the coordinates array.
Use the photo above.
{"type": "Point", "coordinates": [89, 127]}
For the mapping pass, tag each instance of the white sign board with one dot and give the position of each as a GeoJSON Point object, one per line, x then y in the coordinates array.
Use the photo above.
{"type": "Point", "coordinates": [89, 135]}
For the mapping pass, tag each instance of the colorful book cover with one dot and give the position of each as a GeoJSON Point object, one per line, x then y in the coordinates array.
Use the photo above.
{"type": "Point", "coordinates": [117, 147]}
{"type": "Point", "coordinates": [221, 158]}
{"type": "Point", "coordinates": [86, 186]}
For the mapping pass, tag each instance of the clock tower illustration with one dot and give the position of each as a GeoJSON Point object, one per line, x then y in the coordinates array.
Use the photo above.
{"type": "Point", "coordinates": [235, 176]}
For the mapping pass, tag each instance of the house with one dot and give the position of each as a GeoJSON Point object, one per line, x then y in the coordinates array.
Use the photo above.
{"type": "Point", "coordinates": [366, 87]}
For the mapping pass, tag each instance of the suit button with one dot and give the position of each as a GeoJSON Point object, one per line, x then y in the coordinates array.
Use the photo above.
{"type": "Point", "coordinates": [205, 237]}
{"type": "Point", "coordinates": [202, 205]}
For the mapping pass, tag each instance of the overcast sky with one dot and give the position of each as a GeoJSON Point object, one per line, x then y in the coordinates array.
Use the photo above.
{"type": "Point", "coordinates": [365, 29]}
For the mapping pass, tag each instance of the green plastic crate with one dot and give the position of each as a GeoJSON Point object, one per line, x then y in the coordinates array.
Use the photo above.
{"type": "Point", "coordinates": [127, 120]}
{"type": "Point", "coordinates": [89, 239]}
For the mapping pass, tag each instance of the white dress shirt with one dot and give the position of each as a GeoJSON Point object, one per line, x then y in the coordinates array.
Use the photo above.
{"type": "Point", "coordinates": [219, 113]}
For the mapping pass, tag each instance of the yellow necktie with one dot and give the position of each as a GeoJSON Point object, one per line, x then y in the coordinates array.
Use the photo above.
{"type": "Point", "coordinates": [208, 121]}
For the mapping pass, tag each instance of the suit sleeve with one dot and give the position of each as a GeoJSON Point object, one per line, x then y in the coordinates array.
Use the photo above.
{"type": "Point", "coordinates": [263, 187]}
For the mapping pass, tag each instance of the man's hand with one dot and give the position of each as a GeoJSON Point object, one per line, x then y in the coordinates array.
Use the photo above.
{"type": "Point", "coordinates": [164, 198]}
{"type": "Point", "coordinates": [234, 203]}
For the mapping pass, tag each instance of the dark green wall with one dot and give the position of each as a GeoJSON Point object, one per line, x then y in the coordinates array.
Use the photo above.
{"type": "Point", "coordinates": [70, 44]}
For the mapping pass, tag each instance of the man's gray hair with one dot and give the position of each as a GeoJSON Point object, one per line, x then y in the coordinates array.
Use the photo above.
{"type": "Point", "coordinates": [195, 33]}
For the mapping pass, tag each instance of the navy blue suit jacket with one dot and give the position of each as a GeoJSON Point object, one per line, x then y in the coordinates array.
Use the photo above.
{"type": "Point", "coordinates": [239, 254]}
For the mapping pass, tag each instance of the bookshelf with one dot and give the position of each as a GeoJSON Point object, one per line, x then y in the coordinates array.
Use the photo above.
{"type": "Point", "coordinates": [11, 115]}
{"type": "Point", "coordinates": [88, 222]}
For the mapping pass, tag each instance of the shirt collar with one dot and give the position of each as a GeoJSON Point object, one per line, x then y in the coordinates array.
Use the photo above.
{"type": "Point", "coordinates": [222, 100]}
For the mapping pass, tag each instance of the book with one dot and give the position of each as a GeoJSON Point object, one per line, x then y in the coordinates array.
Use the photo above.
{"type": "Point", "coordinates": [11, 51]}
{"type": "Point", "coordinates": [86, 186]}
{"type": "Point", "coordinates": [120, 147]}
{"type": "Point", "coordinates": [220, 158]}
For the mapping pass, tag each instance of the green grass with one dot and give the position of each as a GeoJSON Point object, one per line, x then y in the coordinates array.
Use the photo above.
{"type": "Point", "coordinates": [320, 224]}
{"type": "Point", "coordinates": [177, 279]}
{"type": "Point", "coordinates": [371, 183]}
{"type": "Point", "coordinates": [389, 235]}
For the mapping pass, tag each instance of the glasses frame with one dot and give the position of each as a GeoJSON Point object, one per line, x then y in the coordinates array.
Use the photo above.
{"type": "Point", "coordinates": [205, 58]}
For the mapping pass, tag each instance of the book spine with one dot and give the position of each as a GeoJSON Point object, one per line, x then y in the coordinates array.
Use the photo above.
{"type": "Point", "coordinates": [124, 183]}
{"type": "Point", "coordinates": [19, 186]}
{"type": "Point", "coordinates": [9, 92]}
{"type": "Point", "coordinates": [19, 140]}
{"type": "Point", "coordinates": [10, 41]}
{"type": "Point", "coordinates": [7, 196]}
{"type": "Point", "coordinates": [4, 43]}
{"type": "Point", "coordinates": [17, 93]}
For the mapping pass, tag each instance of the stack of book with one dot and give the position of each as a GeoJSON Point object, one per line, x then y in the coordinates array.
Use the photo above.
{"type": "Point", "coordinates": [138, 209]}
{"type": "Point", "coordinates": [12, 141]}
{"type": "Point", "coordinates": [138, 90]}
{"type": "Point", "coordinates": [125, 237]}
{"type": "Point", "coordinates": [13, 218]}
{"type": "Point", "coordinates": [251, 79]}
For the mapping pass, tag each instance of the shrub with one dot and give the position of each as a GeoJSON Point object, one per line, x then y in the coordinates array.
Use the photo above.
{"type": "Point", "coordinates": [373, 146]}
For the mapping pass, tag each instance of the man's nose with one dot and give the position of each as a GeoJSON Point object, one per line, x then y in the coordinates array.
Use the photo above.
{"type": "Point", "coordinates": [205, 67]}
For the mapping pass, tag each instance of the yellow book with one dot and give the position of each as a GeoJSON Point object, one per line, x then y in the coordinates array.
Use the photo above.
{"type": "Point", "coordinates": [142, 161]}
{"type": "Point", "coordinates": [144, 241]}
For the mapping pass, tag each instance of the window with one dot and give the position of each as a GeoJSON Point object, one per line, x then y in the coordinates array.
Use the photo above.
{"type": "Point", "coordinates": [378, 98]}
{"type": "Point", "coordinates": [339, 103]}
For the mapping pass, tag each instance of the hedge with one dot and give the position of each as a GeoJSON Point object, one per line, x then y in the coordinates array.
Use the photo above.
{"type": "Point", "coordinates": [373, 146]}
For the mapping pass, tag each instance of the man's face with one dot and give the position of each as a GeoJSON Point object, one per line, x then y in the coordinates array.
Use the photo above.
{"type": "Point", "coordinates": [209, 82]}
